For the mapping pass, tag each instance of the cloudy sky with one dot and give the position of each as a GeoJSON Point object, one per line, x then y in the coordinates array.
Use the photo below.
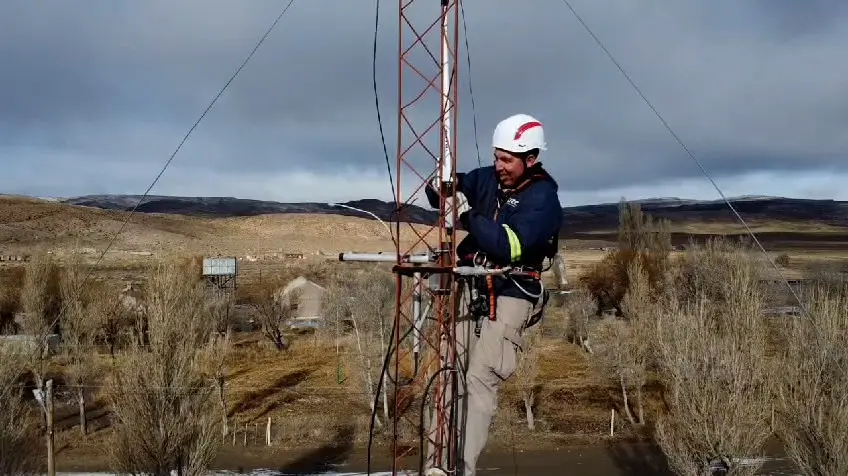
{"type": "Point", "coordinates": [95, 95]}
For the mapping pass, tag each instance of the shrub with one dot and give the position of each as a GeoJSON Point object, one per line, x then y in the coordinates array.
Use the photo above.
{"type": "Point", "coordinates": [641, 239]}
{"type": "Point", "coordinates": [812, 407]}
{"type": "Point", "coordinates": [712, 343]}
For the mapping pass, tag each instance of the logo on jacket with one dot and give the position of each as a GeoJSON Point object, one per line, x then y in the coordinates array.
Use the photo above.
{"type": "Point", "coordinates": [512, 202]}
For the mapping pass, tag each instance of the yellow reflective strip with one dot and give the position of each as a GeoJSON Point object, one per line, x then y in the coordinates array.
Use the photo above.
{"type": "Point", "coordinates": [514, 244]}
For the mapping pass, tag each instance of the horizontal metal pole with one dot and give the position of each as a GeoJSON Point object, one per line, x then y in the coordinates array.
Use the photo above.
{"type": "Point", "coordinates": [478, 271]}
{"type": "Point", "coordinates": [384, 257]}
{"type": "Point", "coordinates": [423, 269]}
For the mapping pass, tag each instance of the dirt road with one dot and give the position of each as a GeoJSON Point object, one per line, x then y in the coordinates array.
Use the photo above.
{"type": "Point", "coordinates": [621, 459]}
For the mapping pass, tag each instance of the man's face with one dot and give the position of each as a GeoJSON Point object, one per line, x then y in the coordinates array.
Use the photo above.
{"type": "Point", "coordinates": [509, 167]}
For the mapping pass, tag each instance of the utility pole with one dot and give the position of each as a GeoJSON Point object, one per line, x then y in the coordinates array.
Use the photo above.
{"type": "Point", "coordinates": [422, 371]}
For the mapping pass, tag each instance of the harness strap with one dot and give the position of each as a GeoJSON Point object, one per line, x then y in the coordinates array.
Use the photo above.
{"type": "Point", "coordinates": [490, 283]}
{"type": "Point", "coordinates": [490, 280]}
{"type": "Point", "coordinates": [490, 286]}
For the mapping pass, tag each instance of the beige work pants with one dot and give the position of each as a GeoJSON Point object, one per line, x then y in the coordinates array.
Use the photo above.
{"type": "Point", "coordinates": [483, 364]}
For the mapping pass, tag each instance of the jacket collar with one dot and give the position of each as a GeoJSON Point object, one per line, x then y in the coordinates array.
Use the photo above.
{"type": "Point", "coordinates": [533, 174]}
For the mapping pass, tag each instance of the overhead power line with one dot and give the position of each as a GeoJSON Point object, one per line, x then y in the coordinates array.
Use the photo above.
{"type": "Point", "coordinates": [171, 158]}
{"type": "Point", "coordinates": [687, 150]}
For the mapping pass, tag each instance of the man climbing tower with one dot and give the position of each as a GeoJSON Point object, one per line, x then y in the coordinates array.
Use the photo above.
{"type": "Point", "coordinates": [512, 214]}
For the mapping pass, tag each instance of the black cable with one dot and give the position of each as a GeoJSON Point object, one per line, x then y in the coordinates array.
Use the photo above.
{"type": "Point", "coordinates": [470, 88]}
{"type": "Point", "coordinates": [380, 118]}
{"type": "Point", "coordinates": [377, 393]}
{"type": "Point", "coordinates": [454, 416]}
{"type": "Point", "coordinates": [171, 158]}
{"type": "Point", "coordinates": [383, 375]}
{"type": "Point", "coordinates": [421, 416]}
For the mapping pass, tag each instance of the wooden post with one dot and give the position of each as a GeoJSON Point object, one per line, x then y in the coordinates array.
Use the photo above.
{"type": "Point", "coordinates": [612, 422]}
{"type": "Point", "coordinates": [772, 417]}
{"type": "Point", "coordinates": [268, 432]}
{"type": "Point", "coordinates": [51, 465]}
{"type": "Point", "coordinates": [82, 417]}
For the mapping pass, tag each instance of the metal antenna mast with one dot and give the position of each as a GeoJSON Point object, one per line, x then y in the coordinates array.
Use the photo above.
{"type": "Point", "coordinates": [420, 374]}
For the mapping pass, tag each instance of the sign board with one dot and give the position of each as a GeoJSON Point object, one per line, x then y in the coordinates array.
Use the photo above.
{"type": "Point", "coordinates": [219, 266]}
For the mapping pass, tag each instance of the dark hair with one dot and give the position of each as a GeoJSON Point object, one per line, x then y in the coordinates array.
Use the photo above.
{"type": "Point", "coordinates": [525, 155]}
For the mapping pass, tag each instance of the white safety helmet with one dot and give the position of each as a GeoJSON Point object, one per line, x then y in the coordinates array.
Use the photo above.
{"type": "Point", "coordinates": [519, 133]}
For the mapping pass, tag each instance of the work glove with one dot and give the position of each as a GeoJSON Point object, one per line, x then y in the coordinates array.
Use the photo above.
{"type": "Point", "coordinates": [436, 182]}
{"type": "Point", "coordinates": [461, 202]}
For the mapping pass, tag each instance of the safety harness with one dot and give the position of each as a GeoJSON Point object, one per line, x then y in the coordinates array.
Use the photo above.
{"type": "Point", "coordinates": [483, 304]}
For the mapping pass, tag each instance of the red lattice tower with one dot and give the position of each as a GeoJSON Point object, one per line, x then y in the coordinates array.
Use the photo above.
{"type": "Point", "coordinates": [427, 103]}
{"type": "Point", "coordinates": [424, 342]}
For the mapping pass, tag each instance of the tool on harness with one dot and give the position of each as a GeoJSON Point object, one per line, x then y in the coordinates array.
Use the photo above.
{"type": "Point", "coordinates": [478, 305]}
{"type": "Point", "coordinates": [480, 276]}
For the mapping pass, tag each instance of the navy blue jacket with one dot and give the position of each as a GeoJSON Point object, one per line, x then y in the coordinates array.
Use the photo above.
{"type": "Point", "coordinates": [513, 228]}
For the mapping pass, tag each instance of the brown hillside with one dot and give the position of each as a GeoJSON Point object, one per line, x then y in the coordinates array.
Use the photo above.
{"type": "Point", "coordinates": [27, 222]}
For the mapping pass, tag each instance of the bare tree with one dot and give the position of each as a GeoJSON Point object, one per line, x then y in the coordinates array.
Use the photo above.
{"type": "Point", "coordinates": [118, 317]}
{"type": "Point", "coordinates": [80, 325]}
{"type": "Point", "coordinates": [712, 344]}
{"type": "Point", "coordinates": [10, 294]}
{"type": "Point", "coordinates": [624, 345]}
{"type": "Point", "coordinates": [19, 425]}
{"type": "Point", "coordinates": [276, 305]}
{"type": "Point", "coordinates": [580, 307]}
{"type": "Point", "coordinates": [163, 403]}
{"type": "Point", "coordinates": [640, 238]}
{"type": "Point", "coordinates": [367, 302]}
{"type": "Point", "coordinates": [813, 384]}
{"type": "Point", "coordinates": [638, 231]}
{"type": "Point", "coordinates": [40, 305]}
{"type": "Point", "coordinates": [527, 373]}
{"type": "Point", "coordinates": [219, 310]}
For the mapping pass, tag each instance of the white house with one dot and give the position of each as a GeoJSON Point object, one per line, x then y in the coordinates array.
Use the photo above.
{"type": "Point", "coordinates": [310, 302]}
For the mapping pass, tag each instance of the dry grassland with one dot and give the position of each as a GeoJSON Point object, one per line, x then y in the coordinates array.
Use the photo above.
{"type": "Point", "coordinates": [314, 392]}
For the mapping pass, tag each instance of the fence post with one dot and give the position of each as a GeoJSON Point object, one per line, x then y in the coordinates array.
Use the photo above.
{"type": "Point", "coordinates": [268, 432]}
{"type": "Point", "coordinates": [612, 422]}
{"type": "Point", "coordinates": [51, 464]}
{"type": "Point", "coordinates": [772, 417]}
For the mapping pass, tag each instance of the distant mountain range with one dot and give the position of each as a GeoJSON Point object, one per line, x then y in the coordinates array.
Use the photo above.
{"type": "Point", "coordinates": [579, 219]}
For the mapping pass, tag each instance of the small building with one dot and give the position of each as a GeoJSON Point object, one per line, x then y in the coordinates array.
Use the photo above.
{"type": "Point", "coordinates": [310, 302]}
{"type": "Point", "coordinates": [22, 343]}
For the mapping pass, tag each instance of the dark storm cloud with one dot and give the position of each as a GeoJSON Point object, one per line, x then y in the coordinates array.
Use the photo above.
{"type": "Point", "coordinates": [98, 93]}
